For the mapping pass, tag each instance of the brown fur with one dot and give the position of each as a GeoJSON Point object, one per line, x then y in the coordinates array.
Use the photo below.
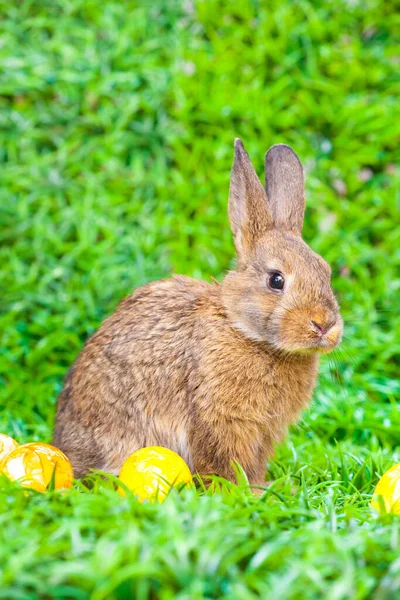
{"type": "Point", "coordinates": [216, 372]}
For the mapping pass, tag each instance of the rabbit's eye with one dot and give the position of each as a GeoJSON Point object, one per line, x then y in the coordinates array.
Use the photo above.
{"type": "Point", "coordinates": [276, 281]}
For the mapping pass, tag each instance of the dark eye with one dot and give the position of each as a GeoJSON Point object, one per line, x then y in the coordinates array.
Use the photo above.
{"type": "Point", "coordinates": [276, 281]}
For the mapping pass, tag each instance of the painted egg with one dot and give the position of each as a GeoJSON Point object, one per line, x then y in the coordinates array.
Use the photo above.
{"type": "Point", "coordinates": [388, 489]}
{"type": "Point", "coordinates": [151, 472]}
{"type": "Point", "coordinates": [37, 465]}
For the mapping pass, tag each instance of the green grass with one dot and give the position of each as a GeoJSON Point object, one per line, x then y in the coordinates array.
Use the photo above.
{"type": "Point", "coordinates": [116, 128]}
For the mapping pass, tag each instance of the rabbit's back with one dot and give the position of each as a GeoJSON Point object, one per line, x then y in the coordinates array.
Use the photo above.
{"type": "Point", "coordinates": [130, 385]}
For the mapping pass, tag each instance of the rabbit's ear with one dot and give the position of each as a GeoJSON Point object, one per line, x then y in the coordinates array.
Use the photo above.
{"type": "Point", "coordinates": [284, 183]}
{"type": "Point", "coordinates": [248, 208]}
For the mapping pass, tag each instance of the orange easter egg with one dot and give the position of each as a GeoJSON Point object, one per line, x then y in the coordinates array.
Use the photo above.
{"type": "Point", "coordinates": [36, 465]}
{"type": "Point", "coordinates": [151, 472]}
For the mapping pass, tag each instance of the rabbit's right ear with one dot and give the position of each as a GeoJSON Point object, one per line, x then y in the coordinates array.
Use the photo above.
{"type": "Point", "coordinates": [284, 182]}
{"type": "Point", "coordinates": [248, 207]}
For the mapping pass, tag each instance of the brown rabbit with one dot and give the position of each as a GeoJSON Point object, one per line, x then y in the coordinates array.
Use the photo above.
{"type": "Point", "coordinates": [216, 372]}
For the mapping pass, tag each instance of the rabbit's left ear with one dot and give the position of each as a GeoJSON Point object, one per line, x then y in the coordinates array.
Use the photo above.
{"type": "Point", "coordinates": [284, 184]}
{"type": "Point", "coordinates": [248, 208]}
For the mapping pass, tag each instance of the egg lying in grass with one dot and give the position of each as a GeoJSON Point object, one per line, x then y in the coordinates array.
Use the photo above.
{"type": "Point", "coordinates": [7, 445]}
{"type": "Point", "coordinates": [387, 492]}
{"type": "Point", "coordinates": [151, 472]}
{"type": "Point", "coordinates": [38, 466]}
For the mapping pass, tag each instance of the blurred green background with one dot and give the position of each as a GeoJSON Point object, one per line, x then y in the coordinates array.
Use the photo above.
{"type": "Point", "coordinates": [117, 122]}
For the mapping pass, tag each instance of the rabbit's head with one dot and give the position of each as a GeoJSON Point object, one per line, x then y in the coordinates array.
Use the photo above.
{"type": "Point", "coordinates": [280, 292]}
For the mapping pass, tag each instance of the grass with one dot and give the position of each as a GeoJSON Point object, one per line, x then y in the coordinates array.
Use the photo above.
{"type": "Point", "coordinates": [116, 130]}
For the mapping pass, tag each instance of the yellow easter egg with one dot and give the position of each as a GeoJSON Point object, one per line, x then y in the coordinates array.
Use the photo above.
{"type": "Point", "coordinates": [151, 472]}
{"type": "Point", "coordinates": [7, 445]}
{"type": "Point", "coordinates": [388, 489]}
{"type": "Point", "coordinates": [35, 465]}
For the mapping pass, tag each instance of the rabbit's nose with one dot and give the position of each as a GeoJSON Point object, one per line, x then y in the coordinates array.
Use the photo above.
{"type": "Point", "coordinates": [322, 327]}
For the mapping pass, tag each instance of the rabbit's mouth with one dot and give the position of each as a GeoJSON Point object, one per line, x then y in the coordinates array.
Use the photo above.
{"type": "Point", "coordinates": [328, 340]}
{"type": "Point", "coordinates": [327, 337]}
{"type": "Point", "coordinates": [310, 338]}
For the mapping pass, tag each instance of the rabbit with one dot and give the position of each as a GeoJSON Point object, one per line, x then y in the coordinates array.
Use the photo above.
{"type": "Point", "coordinates": [214, 371]}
